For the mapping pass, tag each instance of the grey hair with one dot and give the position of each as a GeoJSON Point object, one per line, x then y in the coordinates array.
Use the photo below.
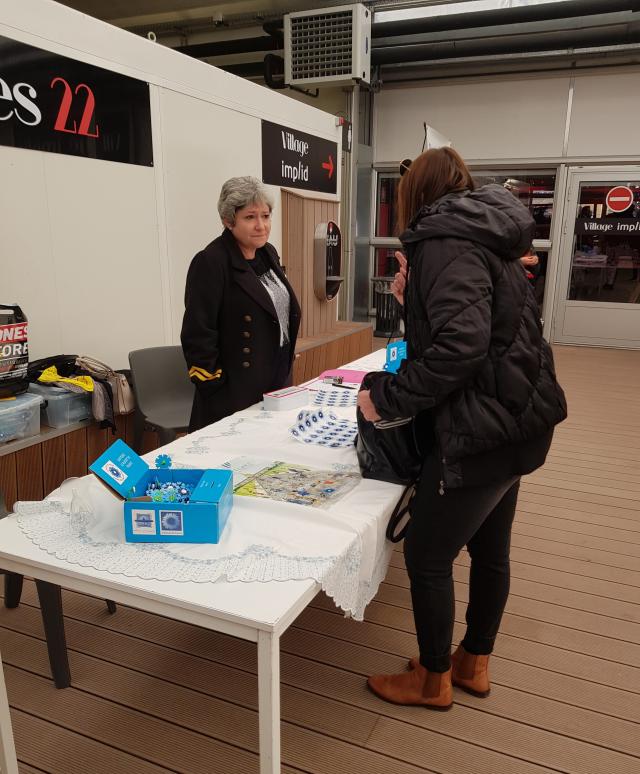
{"type": "Point", "coordinates": [239, 192]}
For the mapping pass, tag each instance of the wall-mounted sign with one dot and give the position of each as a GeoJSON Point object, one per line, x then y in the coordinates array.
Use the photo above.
{"type": "Point", "coordinates": [619, 198]}
{"type": "Point", "coordinates": [347, 133]}
{"type": "Point", "coordinates": [604, 226]}
{"type": "Point", "coordinates": [327, 260]}
{"type": "Point", "coordinates": [298, 160]}
{"type": "Point", "coordinates": [60, 105]}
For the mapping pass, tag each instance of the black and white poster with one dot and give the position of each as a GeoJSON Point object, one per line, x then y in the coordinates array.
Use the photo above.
{"type": "Point", "coordinates": [295, 159]}
{"type": "Point", "coordinates": [59, 105]}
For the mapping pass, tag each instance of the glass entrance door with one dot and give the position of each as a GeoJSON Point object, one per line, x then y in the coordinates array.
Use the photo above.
{"type": "Point", "coordinates": [598, 294]}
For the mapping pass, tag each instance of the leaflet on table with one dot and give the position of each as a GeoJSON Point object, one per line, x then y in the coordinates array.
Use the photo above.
{"type": "Point", "coordinates": [164, 504]}
{"type": "Point", "coordinates": [288, 482]}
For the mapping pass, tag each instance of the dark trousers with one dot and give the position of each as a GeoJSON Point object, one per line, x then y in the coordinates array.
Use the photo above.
{"type": "Point", "coordinates": [480, 518]}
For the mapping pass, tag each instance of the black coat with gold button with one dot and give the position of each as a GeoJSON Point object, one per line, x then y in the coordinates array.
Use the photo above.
{"type": "Point", "coordinates": [230, 331]}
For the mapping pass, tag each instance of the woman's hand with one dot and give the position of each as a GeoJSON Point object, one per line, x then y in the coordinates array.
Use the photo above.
{"type": "Point", "coordinates": [400, 280]}
{"type": "Point", "coordinates": [529, 260]}
{"type": "Point", "coordinates": [365, 404]}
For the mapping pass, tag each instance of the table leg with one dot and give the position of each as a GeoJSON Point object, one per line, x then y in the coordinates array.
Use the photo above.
{"type": "Point", "coordinates": [12, 589]}
{"type": "Point", "coordinates": [50, 597]}
{"type": "Point", "coordinates": [8, 762]}
{"type": "Point", "coordinates": [269, 702]}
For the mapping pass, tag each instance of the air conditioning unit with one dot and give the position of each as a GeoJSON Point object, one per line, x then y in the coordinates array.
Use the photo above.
{"type": "Point", "coordinates": [328, 45]}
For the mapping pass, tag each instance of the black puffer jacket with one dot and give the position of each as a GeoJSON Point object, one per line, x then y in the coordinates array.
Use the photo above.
{"type": "Point", "coordinates": [476, 356]}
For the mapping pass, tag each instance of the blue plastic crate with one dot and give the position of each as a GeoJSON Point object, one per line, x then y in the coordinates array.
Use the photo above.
{"type": "Point", "coordinates": [19, 417]}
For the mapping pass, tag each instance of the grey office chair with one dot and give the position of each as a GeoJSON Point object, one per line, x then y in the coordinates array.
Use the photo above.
{"type": "Point", "coordinates": [163, 391]}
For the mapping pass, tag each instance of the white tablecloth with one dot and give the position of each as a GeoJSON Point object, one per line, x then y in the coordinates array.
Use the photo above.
{"type": "Point", "coordinates": [341, 546]}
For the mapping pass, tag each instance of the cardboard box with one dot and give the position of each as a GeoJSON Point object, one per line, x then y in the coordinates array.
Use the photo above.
{"type": "Point", "coordinates": [201, 520]}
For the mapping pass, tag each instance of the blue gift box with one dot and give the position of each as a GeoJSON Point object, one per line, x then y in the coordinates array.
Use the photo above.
{"type": "Point", "coordinates": [396, 353]}
{"type": "Point", "coordinates": [201, 520]}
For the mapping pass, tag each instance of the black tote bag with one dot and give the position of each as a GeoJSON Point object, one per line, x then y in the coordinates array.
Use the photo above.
{"type": "Point", "coordinates": [392, 450]}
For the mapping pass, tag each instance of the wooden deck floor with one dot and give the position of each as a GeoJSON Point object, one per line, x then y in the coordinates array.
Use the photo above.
{"type": "Point", "coordinates": [152, 696]}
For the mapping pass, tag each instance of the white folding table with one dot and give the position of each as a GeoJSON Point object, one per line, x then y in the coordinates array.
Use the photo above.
{"type": "Point", "coordinates": [259, 612]}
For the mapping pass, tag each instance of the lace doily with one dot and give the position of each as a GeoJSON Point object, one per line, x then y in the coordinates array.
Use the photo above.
{"type": "Point", "coordinates": [73, 535]}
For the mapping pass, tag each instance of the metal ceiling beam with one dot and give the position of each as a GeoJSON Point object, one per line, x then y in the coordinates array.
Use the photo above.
{"type": "Point", "coordinates": [519, 15]}
{"type": "Point", "coordinates": [226, 47]}
{"type": "Point", "coordinates": [463, 67]}
{"type": "Point", "coordinates": [507, 30]}
{"type": "Point", "coordinates": [601, 36]}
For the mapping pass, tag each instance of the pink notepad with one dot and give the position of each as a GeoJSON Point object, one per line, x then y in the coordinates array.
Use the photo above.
{"type": "Point", "coordinates": [354, 377]}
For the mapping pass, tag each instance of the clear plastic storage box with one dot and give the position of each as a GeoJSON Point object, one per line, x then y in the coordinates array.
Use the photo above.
{"type": "Point", "coordinates": [62, 407]}
{"type": "Point", "coordinates": [19, 417]}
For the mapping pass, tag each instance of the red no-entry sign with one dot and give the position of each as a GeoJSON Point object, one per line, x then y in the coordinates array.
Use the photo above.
{"type": "Point", "coordinates": [619, 198]}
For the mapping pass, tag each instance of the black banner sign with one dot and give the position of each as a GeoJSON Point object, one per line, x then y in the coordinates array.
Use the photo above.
{"type": "Point", "coordinates": [298, 160]}
{"type": "Point", "coordinates": [59, 105]}
{"type": "Point", "coordinates": [608, 226]}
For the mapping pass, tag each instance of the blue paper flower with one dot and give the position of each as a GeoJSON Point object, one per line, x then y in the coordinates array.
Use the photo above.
{"type": "Point", "coordinates": [163, 461]}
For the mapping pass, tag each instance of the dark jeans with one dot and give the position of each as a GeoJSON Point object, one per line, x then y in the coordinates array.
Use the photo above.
{"type": "Point", "coordinates": [479, 517]}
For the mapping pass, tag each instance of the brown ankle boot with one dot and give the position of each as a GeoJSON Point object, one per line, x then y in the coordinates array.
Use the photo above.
{"type": "Point", "coordinates": [470, 672]}
{"type": "Point", "coordinates": [427, 689]}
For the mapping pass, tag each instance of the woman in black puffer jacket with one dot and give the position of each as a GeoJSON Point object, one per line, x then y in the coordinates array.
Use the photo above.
{"type": "Point", "coordinates": [481, 375]}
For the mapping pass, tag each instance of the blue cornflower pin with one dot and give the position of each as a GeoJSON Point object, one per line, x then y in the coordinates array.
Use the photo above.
{"type": "Point", "coordinates": [163, 461]}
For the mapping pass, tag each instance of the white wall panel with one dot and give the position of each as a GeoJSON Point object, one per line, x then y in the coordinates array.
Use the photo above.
{"type": "Point", "coordinates": [605, 115]}
{"type": "Point", "coordinates": [219, 144]}
{"type": "Point", "coordinates": [104, 240]}
{"type": "Point", "coordinates": [97, 252]}
{"type": "Point", "coordinates": [484, 119]}
{"type": "Point", "coordinates": [616, 327]}
{"type": "Point", "coordinates": [27, 270]}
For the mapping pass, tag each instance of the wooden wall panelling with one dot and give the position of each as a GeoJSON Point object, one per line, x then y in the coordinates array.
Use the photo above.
{"type": "Point", "coordinates": [301, 214]}
{"type": "Point", "coordinates": [320, 212]}
{"type": "Point", "coordinates": [128, 428]}
{"type": "Point", "coordinates": [29, 473]}
{"type": "Point", "coordinates": [121, 429]}
{"type": "Point", "coordinates": [8, 480]}
{"type": "Point", "coordinates": [331, 352]}
{"type": "Point", "coordinates": [75, 452]}
{"type": "Point", "coordinates": [308, 371]}
{"type": "Point", "coordinates": [298, 236]}
{"type": "Point", "coordinates": [307, 256]}
{"type": "Point", "coordinates": [54, 464]}
{"type": "Point", "coordinates": [295, 370]}
{"type": "Point", "coordinates": [150, 440]}
{"type": "Point", "coordinates": [97, 441]}
{"type": "Point", "coordinates": [284, 259]}
{"type": "Point", "coordinates": [308, 362]}
{"type": "Point", "coordinates": [292, 243]}
{"type": "Point", "coordinates": [286, 219]}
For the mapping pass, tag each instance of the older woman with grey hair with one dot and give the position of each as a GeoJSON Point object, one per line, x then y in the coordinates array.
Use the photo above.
{"type": "Point", "coordinates": [241, 315]}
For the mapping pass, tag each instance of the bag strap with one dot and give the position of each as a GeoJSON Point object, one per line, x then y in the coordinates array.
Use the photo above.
{"type": "Point", "coordinates": [92, 364]}
{"type": "Point", "coordinates": [399, 514]}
